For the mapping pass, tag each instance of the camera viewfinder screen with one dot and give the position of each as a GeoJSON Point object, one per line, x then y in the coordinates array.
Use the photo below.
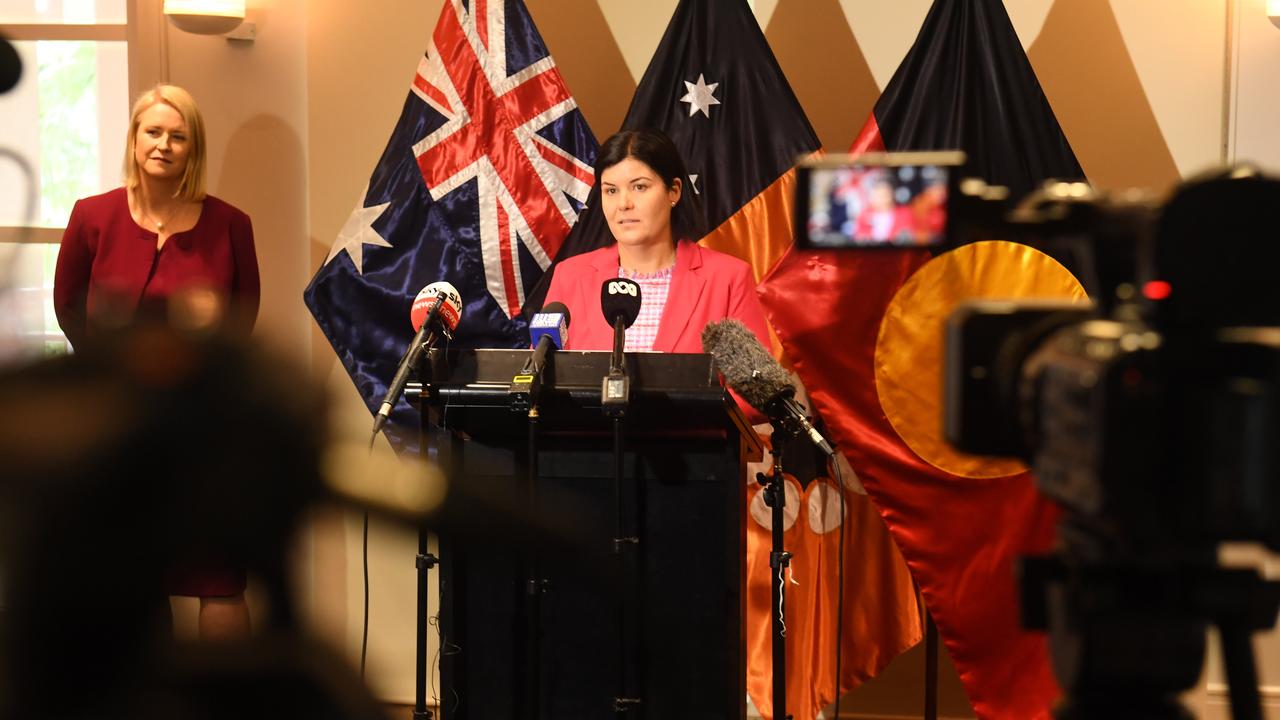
{"type": "Point", "coordinates": [877, 206]}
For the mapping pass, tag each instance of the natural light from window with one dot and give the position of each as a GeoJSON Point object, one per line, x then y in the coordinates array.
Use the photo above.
{"type": "Point", "coordinates": [65, 122]}
{"type": "Point", "coordinates": [79, 12]}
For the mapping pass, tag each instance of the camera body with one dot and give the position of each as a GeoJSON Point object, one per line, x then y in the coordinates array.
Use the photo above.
{"type": "Point", "coordinates": [1149, 416]}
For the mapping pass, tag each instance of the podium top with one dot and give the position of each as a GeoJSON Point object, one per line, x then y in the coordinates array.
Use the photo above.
{"type": "Point", "coordinates": [671, 393]}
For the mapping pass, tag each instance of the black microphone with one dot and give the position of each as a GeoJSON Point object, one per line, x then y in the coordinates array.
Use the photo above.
{"type": "Point", "coordinates": [549, 328]}
{"type": "Point", "coordinates": [620, 301]}
{"type": "Point", "coordinates": [438, 307]}
{"type": "Point", "coordinates": [753, 373]}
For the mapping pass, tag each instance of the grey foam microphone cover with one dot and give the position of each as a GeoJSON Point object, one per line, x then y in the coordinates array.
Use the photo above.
{"type": "Point", "coordinates": [748, 368]}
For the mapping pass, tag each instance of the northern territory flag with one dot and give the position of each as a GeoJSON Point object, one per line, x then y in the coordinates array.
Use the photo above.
{"type": "Point", "coordinates": [865, 330]}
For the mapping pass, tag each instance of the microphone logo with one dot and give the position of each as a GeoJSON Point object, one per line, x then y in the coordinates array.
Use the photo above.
{"type": "Point", "coordinates": [450, 307]}
{"type": "Point", "coordinates": [624, 287]}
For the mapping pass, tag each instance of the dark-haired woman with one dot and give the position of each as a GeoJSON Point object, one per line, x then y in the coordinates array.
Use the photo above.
{"type": "Point", "coordinates": [655, 225]}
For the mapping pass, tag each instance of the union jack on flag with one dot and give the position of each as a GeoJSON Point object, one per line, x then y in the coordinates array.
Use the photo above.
{"type": "Point", "coordinates": [484, 174]}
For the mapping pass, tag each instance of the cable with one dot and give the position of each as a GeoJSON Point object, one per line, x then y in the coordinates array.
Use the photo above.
{"type": "Point", "coordinates": [364, 634]}
{"type": "Point", "coordinates": [364, 553]}
{"type": "Point", "coordinates": [782, 620]}
{"type": "Point", "coordinates": [444, 648]}
{"type": "Point", "coordinates": [434, 620]}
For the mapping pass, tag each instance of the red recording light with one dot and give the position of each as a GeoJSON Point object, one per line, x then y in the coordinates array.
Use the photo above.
{"type": "Point", "coordinates": [1157, 290]}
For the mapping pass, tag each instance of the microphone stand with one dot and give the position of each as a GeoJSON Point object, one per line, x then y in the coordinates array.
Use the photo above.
{"type": "Point", "coordinates": [615, 394]}
{"type": "Point", "coordinates": [775, 496]}
{"type": "Point", "coordinates": [535, 585]}
{"type": "Point", "coordinates": [423, 562]}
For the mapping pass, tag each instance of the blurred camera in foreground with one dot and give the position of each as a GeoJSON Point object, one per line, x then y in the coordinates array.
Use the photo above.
{"type": "Point", "coordinates": [1149, 415]}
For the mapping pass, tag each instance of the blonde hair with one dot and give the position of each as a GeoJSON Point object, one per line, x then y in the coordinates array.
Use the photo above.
{"type": "Point", "coordinates": [192, 186]}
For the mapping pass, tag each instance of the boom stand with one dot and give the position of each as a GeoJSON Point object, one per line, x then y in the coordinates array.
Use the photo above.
{"type": "Point", "coordinates": [775, 496]}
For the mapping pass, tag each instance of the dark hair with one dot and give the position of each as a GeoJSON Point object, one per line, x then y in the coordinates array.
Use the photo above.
{"type": "Point", "coordinates": [653, 148]}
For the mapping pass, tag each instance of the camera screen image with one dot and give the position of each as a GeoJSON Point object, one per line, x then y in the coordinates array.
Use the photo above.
{"type": "Point", "coordinates": [873, 201]}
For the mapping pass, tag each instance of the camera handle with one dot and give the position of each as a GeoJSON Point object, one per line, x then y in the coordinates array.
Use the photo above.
{"type": "Point", "coordinates": [1081, 604]}
{"type": "Point", "coordinates": [1242, 674]}
{"type": "Point", "coordinates": [1242, 603]}
{"type": "Point", "coordinates": [775, 496]}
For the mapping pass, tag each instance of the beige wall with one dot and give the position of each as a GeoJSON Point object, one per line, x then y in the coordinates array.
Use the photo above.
{"type": "Point", "coordinates": [1255, 58]}
{"type": "Point", "coordinates": [299, 117]}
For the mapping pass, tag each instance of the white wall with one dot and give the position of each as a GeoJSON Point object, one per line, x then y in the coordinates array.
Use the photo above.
{"type": "Point", "coordinates": [1254, 131]}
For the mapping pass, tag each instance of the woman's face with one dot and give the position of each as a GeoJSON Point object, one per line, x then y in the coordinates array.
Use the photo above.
{"type": "Point", "coordinates": [162, 143]}
{"type": "Point", "coordinates": [637, 204]}
{"type": "Point", "coordinates": [882, 196]}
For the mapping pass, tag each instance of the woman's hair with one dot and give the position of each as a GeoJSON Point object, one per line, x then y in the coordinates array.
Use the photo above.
{"type": "Point", "coordinates": [192, 185]}
{"type": "Point", "coordinates": [653, 148]}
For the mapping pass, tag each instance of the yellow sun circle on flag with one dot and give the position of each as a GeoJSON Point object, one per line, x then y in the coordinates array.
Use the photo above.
{"type": "Point", "coordinates": [910, 349]}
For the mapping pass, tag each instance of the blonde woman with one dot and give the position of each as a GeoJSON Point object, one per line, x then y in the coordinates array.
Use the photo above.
{"type": "Point", "coordinates": [159, 234]}
{"type": "Point", "coordinates": [137, 245]}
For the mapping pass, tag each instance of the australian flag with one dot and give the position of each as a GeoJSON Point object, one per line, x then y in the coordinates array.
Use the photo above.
{"type": "Point", "coordinates": [481, 180]}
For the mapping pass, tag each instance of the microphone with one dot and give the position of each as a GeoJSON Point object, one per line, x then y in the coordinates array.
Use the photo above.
{"type": "Point", "coordinates": [437, 307]}
{"type": "Point", "coordinates": [620, 301]}
{"type": "Point", "coordinates": [756, 376]}
{"type": "Point", "coordinates": [549, 328]}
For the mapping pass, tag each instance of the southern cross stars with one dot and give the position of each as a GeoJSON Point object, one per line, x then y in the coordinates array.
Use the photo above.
{"type": "Point", "coordinates": [700, 96]}
{"type": "Point", "coordinates": [358, 232]}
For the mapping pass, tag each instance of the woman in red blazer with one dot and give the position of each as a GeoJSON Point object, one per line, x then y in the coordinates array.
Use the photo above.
{"type": "Point", "coordinates": [138, 245]}
{"type": "Point", "coordinates": [159, 235]}
{"type": "Point", "coordinates": [683, 286]}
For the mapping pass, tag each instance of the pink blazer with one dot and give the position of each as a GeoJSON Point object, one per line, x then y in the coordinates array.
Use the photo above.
{"type": "Point", "coordinates": [705, 286]}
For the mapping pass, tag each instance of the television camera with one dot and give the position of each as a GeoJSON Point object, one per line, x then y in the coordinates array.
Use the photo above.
{"type": "Point", "coordinates": [1150, 415]}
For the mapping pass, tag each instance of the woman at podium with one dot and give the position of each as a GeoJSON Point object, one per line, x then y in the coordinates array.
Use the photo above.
{"type": "Point", "coordinates": [655, 226]}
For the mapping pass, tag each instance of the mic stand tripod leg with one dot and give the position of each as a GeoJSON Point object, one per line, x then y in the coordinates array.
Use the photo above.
{"type": "Point", "coordinates": [775, 496]}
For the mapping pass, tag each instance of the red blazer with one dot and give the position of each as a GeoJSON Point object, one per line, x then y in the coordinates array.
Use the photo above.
{"type": "Point", "coordinates": [902, 229]}
{"type": "Point", "coordinates": [107, 263]}
{"type": "Point", "coordinates": [705, 286]}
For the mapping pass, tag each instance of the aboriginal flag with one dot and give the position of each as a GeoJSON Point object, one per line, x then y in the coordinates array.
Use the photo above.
{"type": "Point", "coordinates": [865, 332]}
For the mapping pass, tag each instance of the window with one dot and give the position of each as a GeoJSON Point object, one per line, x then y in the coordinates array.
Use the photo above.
{"type": "Point", "coordinates": [62, 139]}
